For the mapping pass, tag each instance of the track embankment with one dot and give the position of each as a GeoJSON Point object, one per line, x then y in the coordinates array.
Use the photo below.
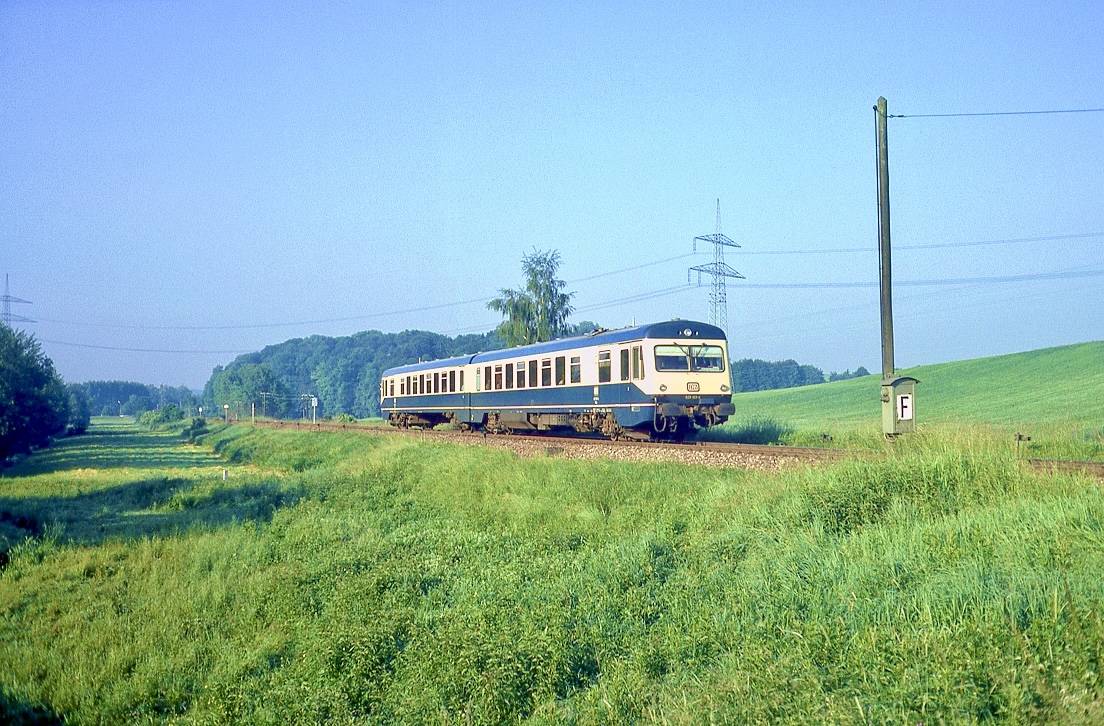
{"type": "Point", "coordinates": [739, 456]}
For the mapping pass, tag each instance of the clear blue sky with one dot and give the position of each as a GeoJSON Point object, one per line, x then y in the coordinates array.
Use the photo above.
{"type": "Point", "coordinates": [205, 178]}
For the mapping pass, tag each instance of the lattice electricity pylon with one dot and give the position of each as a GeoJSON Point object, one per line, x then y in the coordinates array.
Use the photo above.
{"type": "Point", "coordinates": [718, 295]}
{"type": "Point", "coordinates": [8, 317]}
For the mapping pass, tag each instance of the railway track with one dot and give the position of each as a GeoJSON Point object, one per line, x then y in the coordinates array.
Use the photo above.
{"type": "Point", "coordinates": [744, 456]}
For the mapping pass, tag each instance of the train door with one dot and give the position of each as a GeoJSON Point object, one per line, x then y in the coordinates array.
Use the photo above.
{"type": "Point", "coordinates": [624, 386]}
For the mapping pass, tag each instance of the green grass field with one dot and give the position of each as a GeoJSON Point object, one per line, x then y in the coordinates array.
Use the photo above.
{"type": "Point", "coordinates": [1055, 396]}
{"type": "Point", "coordinates": [346, 578]}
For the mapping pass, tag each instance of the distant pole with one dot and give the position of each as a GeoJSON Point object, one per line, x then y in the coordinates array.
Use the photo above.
{"type": "Point", "coordinates": [881, 115]}
{"type": "Point", "coordinates": [719, 271]}
{"type": "Point", "coordinates": [7, 317]}
{"type": "Point", "coordinates": [253, 412]}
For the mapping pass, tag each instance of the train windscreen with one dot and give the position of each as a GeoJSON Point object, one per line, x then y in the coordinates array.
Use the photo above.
{"type": "Point", "coordinates": [705, 358]}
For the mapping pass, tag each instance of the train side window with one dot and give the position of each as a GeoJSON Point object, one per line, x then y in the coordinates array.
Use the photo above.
{"type": "Point", "coordinates": [576, 369]}
{"type": "Point", "coordinates": [478, 380]}
{"type": "Point", "coordinates": [604, 366]}
{"type": "Point", "coordinates": [509, 375]}
{"type": "Point", "coordinates": [436, 382]}
{"type": "Point", "coordinates": [452, 381]}
{"type": "Point", "coordinates": [546, 372]}
{"type": "Point", "coordinates": [624, 364]}
{"type": "Point", "coordinates": [487, 378]}
{"type": "Point", "coordinates": [498, 378]}
{"type": "Point", "coordinates": [402, 386]}
{"type": "Point", "coordinates": [561, 370]}
{"type": "Point", "coordinates": [409, 389]}
{"type": "Point", "coordinates": [637, 362]}
{"type": "Point", "coordinates": [392, 387]}
{"type": "Point", "coordinates": [532, 374]}
{"type": "Point", "coordinates": [461, 381]}
{"type": "Point", "coordinates": [520, 367]}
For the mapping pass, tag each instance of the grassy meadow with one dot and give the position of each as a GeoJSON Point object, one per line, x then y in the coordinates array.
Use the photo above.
{"type": "Point", "coordinates": [1054, 395]}
{"type": "Point", "coordinates": [347, 578]}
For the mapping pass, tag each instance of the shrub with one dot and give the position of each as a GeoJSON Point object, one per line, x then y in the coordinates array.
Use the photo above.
{"type": "Point", "coordinates": [168, 413]}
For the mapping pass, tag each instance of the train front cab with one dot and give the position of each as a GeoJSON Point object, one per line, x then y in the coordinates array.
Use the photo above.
{"type": "Point", "coordinates": [691, 385]}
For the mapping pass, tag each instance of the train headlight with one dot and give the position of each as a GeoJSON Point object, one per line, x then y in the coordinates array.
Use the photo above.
{"type": "Point", "coordinates": [663, 387]}
{"type": "Point", "coordinates": [724, 389]}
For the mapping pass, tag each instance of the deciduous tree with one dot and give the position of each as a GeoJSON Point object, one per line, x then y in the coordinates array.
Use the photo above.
{"type": "Point", "coordinates": [34, 404]}
{"type": "Point", "coordinates": [540, 311]}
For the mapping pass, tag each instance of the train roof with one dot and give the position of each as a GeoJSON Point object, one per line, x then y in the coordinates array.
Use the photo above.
{"type": "Point", "coordinates": [430, 365]}
{"type": "Point", "coordinates": [674, 329]}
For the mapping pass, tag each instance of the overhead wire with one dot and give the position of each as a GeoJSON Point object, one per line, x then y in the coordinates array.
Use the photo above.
{"type": "Point", "coordinates": [142, 350]}
{"type": "Point", "coordinates": [634, 298]}
{"type": "Point", "coordinates": [472, 301]}
{"type": "Point", "coordinates": [940, 245]}
{"type": "Point", "coordinates": [996, 113]}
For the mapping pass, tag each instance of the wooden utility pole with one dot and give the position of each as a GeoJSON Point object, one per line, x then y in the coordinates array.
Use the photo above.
{"type": "Point", "coordinates": [898, 392]}
{"type": "Point", "coordinates": [886, 278]}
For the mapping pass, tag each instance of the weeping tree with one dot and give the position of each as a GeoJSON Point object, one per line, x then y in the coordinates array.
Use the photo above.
{"type": "Point", "coordinates": [539, 312]}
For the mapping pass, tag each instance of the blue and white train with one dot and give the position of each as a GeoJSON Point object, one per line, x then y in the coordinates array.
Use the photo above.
{"type": "Point", "coordinates": [660, 381]}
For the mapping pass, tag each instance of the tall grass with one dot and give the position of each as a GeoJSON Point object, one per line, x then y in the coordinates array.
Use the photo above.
{"type": "Point", "coordinates": [401, 581]}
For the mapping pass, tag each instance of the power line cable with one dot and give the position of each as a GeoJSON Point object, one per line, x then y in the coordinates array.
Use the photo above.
{"type": "Point", "coordinates": [663, 292]}
{"type": "Point", "coordinates": [275, 324]}
{"type": "Point", "coordinates": [459, 303]}
{"type": "Point", "coordinates": [1064, 275]}
{"type": "Point", "coordinates": [997, 113]}
{"type": "Point", "coordinates": [940, 245]}
{"type": "Point", "coordinates": [631, 269]}
{"type": "Point", "coordinates": [351, 318]}
{"type": "Point", "coordinates": [143, 350]}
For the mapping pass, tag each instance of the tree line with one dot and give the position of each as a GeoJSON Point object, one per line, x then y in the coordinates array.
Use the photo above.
{"type": "Point", "coordinates": [127, 398]}
{"type": "Point", "coordinates": [343, 373]}
{"type": "Point", "coordinates": [35, 403]}
{"type": "Point", "coordinates": [761, 375]}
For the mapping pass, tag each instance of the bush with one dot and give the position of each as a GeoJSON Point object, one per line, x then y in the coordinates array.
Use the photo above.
{"type": "Point", "coordinates": [169, 413]}
{"type": "Point", "coordinates": [197, 427]}
{"type": "Point", "coordinates": [79, 413]}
